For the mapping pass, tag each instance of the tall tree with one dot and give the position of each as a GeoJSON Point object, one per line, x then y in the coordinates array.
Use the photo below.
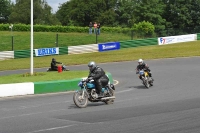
{"type": "Point", "coordinates": [5, 10]}
{"type": "Point", "coordinates": [183, 16]}
{"type": "Point", "coordinates": [82, 12]}
{"type": "Point", "coordinates": [41, 14]}
{"type": "Point", "coordinates": [151, 11]}
{"type": "Point", "coordinates": [124, 10]}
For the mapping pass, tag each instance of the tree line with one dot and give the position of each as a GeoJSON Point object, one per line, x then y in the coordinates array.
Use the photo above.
{"type": "Point", "coordinates": [165, 15]}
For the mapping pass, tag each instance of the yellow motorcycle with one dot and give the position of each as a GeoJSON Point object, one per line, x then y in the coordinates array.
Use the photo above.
{"type": "Point", "coordinates": [146, 80]}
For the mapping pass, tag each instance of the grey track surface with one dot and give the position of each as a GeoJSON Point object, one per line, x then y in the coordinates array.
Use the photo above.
{"type": "Point", "coordinates": [172, 105]}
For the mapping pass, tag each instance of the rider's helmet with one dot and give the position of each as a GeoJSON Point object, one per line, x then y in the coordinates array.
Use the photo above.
{"type": "Point", "coordinates": [91, 65]}
{"type": "Point", "coordinates": [140, 61]}
{"type": "Point", "coordinates": [53, 59]}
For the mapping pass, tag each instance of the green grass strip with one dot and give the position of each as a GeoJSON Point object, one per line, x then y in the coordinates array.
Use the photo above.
{"type": "Point", "coordinates": [42, 76]}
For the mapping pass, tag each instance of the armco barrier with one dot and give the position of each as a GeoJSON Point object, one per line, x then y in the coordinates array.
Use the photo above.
{"type": "Point", "coordinates": [80, 49]}
{"type": "Point", "coordinates": [6, 55]}
{"type": "Point", "coordinates": [63, 50]}
{"type": "Point", "coordinates": [136, 43]}
{"type": "Point", "coordinates": [198, 36]}
{"type": "Point", "coordinates": [23, 53]}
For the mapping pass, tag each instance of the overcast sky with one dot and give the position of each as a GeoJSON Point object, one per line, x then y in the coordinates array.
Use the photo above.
{"type": "Point", "coordinates": [53, 3]}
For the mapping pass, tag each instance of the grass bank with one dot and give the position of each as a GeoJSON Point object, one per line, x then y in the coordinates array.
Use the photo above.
{"type": "Point", "coordinates": [48, 39]}
{"type": "Point", "coordinates": [148, 52]}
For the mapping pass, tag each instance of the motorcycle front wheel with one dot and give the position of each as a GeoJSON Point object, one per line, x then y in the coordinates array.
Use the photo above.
{"type": "Point", "coordinates": [79, 100]}
{"type": "Point", "coordinates": [146, 83]}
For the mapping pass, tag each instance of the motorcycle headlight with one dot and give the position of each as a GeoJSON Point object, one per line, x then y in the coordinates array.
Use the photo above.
{"type": "Point", "coordinates": [80, 84]}
{"type": "Point", "coordinates": [141, 73]}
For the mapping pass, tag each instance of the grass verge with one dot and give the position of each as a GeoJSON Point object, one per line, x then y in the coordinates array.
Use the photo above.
{"type": "Point", "coordinates": [148, 52]}
{"type": "Point", "coordinates": [42, 76]}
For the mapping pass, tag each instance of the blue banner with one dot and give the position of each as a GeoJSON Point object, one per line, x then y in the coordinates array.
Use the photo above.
{"type": "Point", "coordinates": [109, 46]}
{"type": "Point", "coordinates": [46, 51]}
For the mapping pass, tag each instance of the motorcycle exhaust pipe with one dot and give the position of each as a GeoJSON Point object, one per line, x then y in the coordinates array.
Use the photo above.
{"type": "Point", "coordinates": [107, 98]}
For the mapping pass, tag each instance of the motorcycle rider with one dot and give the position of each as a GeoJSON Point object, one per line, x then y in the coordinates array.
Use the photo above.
{"type": "Point", "coordinates": [143, 66]}
{"type": "Point", "coordinates": [99, 76]}
{"type": "Point", "coordinates": [53, 64]}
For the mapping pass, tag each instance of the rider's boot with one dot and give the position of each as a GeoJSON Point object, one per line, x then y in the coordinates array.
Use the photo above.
{"type": "Point", "coordinates": [101, 94]}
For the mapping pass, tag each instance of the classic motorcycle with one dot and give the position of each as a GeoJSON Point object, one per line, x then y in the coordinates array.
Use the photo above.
{"type": "Point", "coordinates": [64, 68]}
{"type": "Point", "coordinates": [146, 80]}
{"type": "Point", "coordinates": [87, 93]}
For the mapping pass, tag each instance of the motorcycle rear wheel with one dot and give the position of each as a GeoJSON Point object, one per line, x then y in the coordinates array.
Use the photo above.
{"type": "Point", "coordinates": [80, 101]}
{"type": "Point", "coordinates": [110, 101]}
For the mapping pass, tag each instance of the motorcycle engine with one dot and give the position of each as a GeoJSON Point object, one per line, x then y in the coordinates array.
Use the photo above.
{"type": "Point", "coordinates": [94, 94]}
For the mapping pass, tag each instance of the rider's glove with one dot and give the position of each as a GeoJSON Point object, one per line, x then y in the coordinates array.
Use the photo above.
{"type": "Point", "coordinates": [88, 79]}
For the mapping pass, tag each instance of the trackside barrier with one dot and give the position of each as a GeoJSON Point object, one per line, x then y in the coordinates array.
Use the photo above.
{"type": "Point", "coordinates": [198, 36]}
{"type": "Point", "coordinates": [18, 89]}
{"type": "Point", "coordinates": [23, 53]}
{"type": "Point", "coordinates": [6, 55]}
{"type": "Point", "coordinates": [80, 49]}
{"type": "Point", "coordinates": [59, 86]}
{"type": "Point", "coordinates": [63, 50]}
{"type": "Point", "coordinates": [137, 43]}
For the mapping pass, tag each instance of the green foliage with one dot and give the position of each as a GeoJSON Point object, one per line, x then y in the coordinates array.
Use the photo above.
{"type": "Point", "coordinates": [5, 10]}
{"type": "Point", "coordinates": [166, 15]}
{"type": "Point", "coordinates": [181, 14]}
{"type": "Point", "coordinates": [144, 28]}
{"type": "Point", "coordinates": [42, 13]}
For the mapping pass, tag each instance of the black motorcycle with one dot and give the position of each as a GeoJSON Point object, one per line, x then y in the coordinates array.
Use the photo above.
{"type": "Point", "coordinates": [64, 68]}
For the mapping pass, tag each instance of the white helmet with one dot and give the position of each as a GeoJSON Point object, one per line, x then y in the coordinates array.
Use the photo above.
{"type": "Point", "coordinates": [140, 61]}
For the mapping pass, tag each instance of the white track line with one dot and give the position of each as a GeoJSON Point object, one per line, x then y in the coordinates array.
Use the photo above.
{"type": "Point", "coordinates": [50, 129]}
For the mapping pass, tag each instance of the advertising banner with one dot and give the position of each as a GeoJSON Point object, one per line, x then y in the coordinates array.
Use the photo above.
{"type": "Point", "coordinates": [109, 46]}
{"type": "Point", "coordinates": [177, 39]}
{"type": "Point", "coordinates": [46, 51]}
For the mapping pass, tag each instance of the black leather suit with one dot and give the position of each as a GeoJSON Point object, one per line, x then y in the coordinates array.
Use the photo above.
{"type": "Point", "coordinates": [100, 78]}
{"type": "Point", "coordinates": [54, 66]}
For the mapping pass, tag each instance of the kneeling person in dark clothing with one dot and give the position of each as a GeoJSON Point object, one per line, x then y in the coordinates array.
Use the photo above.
{"type": "Point", "coordinates": [99, 76]}
{"type": "Point", "coordinates": [53, 64]}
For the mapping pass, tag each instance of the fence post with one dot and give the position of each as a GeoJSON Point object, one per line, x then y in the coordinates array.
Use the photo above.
{"type": "Point", "coordinates": [12, 43]}
{"type": "Point", "coordinates": [131, 34]}
{"type": "Point", "coordinates": [96, 37]}
{"type": "Point", "coordinates": [56, 40]}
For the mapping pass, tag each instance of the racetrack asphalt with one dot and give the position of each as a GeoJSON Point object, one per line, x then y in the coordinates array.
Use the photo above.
{"type": "Point", "coordinates": [172, 105]}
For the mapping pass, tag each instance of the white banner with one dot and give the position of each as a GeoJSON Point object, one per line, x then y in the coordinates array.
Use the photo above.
{"type": "Point", "coordinates": [177, 39]}
{"type": "Point", "coordinates": [46, 51]}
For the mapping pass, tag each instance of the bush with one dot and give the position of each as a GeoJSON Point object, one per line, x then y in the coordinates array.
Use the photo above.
{"type": "Point", "coordinates": [144, 29]}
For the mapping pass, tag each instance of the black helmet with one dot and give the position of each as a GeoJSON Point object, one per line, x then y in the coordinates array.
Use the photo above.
{"type": "Point", "coordinates": [91, 65]}
{"type": "Point", "coordinates": [53, 59]}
